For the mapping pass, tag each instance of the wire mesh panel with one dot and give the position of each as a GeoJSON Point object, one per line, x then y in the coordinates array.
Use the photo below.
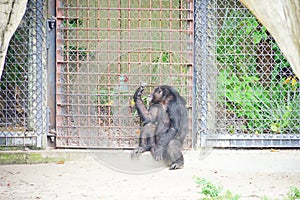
{"type": "Point", "coordinates": [105, 49]}
{"type": "Point", "coordinates": [247, 94]}
{"type": "Point", "coordinates": [21, 105]}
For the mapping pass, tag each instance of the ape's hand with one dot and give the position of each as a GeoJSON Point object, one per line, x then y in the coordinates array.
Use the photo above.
{"type": "Point", "coordinates": [157, 152]}
{"type": "Point", "coordinates": [138, 93]}
{"type": "Point", "coordinates": [137, 151]}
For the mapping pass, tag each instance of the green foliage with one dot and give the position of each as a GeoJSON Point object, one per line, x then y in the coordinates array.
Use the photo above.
{"type": "Point", "coordinates": [14, 74]}
{"type": "Point", "coordinates": [164, 58]}
{"type": "Point", "coordinates": [280, 62]}
{"type": "Point", "coordinates": [215, 192]}
{"type": "Point", "coordinates": [237, 35]}
{"type": "Point", "coordinates": [72, 23]}
{"type": "Point", "coordinates": [161, 65]}
{"type": "Point", "coordinates": [212, 191]}
{"type": "Point", "coordinates": [262, 109]}
{"type": "Point", "coordinates": [258, 32]}
{"type": "Point", "coordinates": [273, 108]}
{"type": "Point", "coordinates": [101, 97]}
{"type": "Point", "coordinates": [207, 188]}
{"type": "Point", "coordinates": [76, 53]}
{"type": "Point", "coordinates": [293, 194]}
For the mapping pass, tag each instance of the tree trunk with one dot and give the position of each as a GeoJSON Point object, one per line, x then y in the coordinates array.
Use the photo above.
{"type": "Point", "coordinates": [11, 13]}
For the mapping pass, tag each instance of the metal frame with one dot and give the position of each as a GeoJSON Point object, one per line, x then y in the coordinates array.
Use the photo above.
{"type": "Point", "coordinates": [101, 42]}
{"type": "Point", "coordinates": [40, 117]}
{"type": "Point", "coordinates": [24, 122]}
{"type": "Point", "coordinates": [200, 35]}
{"type": "Point", "coordinates": [205, 107]}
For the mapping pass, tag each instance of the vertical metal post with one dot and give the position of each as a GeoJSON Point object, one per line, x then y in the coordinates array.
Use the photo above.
{"type": "Point", "coordinates": [203, 10]}
{"type": "Point", "coordinates": [200, 63]}
{"type": "Point", "coordinates": [195, 63]}
{"type": "Point", "coordinates": [39, 70]}
{"type": "Point", "coordinates": [51, 64]}
{"type": "Point", "coordinates": [59, 77]}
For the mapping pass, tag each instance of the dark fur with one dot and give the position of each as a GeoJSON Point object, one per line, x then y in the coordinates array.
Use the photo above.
{"type": "Point", "coordinates": [166, 124]}
{"type": "Point", "coordinates": [155, 122]}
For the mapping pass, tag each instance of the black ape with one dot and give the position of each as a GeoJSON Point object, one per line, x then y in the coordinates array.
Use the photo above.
{"type": "Point", "coordinates": [170, 138]}
{"type": "Point", "coordinates": [154, 124]}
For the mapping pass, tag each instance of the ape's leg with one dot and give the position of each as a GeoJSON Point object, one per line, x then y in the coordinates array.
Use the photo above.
{"type": "Point", "coordinates": [174, 154]}
{"type": "Point", "coordinates": [146, 139]}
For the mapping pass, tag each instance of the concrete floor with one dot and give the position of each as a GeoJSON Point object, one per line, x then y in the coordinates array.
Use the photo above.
{"type": "Point", "coordinates": [91, 174]}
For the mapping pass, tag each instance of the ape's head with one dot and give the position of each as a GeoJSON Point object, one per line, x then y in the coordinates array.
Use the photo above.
{"type": "Point", "coordinates": [162, 94]}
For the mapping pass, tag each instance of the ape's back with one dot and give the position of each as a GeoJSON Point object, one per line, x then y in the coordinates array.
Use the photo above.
{"type": "Point", "coordinates": [184, 125]}
{"type": "Point", "coordinates": [178, 113]}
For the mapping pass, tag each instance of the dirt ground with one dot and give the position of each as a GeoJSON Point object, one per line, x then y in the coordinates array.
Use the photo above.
{"type": "Point", "coordinates": [113, 175]}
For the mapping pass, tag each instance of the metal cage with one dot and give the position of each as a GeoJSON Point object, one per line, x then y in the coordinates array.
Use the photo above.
{"type": "Point", "coordinates": [247, 94]}
{"type": "Point", "coordinates": [22, 114]}
{"type": "Point", "coordinates": [105, 49]}
{"type": "Point", "coordinates": [240, 90]}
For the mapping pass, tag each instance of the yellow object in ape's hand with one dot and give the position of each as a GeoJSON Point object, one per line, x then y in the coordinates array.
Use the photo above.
{"type": "Point", "coordinates": [132, 102]}
{"type": "Point", "coordinates": [138, 131]}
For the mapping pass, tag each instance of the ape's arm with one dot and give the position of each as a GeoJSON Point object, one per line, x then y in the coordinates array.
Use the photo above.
{"type": "Point", "coordinates": [145, 115]}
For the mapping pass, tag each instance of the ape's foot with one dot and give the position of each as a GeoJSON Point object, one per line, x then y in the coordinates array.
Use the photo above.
{"type": "Point", "coordinates": [137, 152]}
{"type": "Point", "coordinates": [176, 166]}
{"type": "Point", "coordinates": [157, 152]}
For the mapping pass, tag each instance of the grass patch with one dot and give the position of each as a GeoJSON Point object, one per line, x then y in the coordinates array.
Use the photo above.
{"type": "Point", "coordinates": [212, 191]}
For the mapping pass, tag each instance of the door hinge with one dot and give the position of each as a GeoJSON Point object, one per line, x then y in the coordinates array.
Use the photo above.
{"type": "Point", "coordinates": [50, 30]}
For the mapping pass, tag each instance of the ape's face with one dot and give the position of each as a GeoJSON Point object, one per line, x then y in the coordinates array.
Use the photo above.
{"type": "Point", "coordinates": [157, 95]}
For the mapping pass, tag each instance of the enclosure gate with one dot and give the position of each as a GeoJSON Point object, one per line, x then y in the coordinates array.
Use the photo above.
{"type": "Point", "coordinates": [105, 49]}
{"type": "Point", "coordinates": [246, 92]}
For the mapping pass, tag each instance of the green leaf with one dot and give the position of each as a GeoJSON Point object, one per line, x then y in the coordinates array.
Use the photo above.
{"type": "Point", "coordinates": [257, 37]}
